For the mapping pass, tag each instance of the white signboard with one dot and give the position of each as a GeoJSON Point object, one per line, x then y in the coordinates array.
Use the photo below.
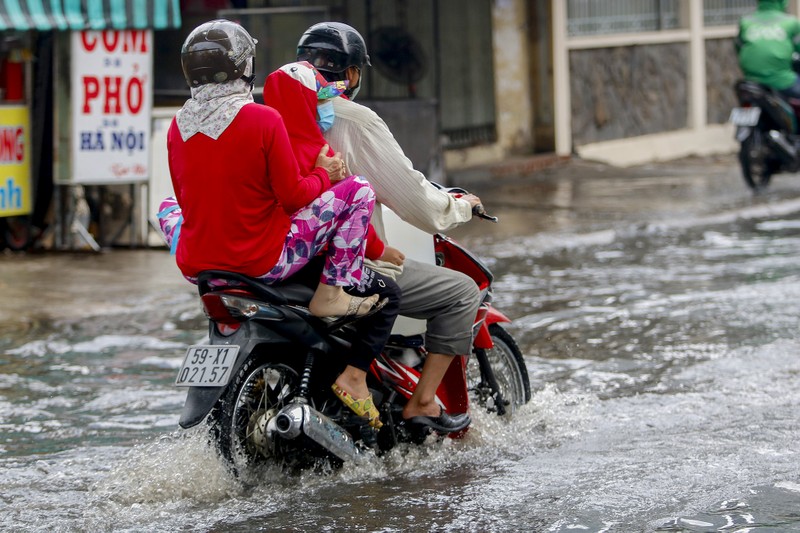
{"type": "Point", "coordinates": [112, 79]}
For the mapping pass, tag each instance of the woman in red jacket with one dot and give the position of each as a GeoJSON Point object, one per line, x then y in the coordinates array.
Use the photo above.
{"type": "Point", "coordinates": [245, 205]}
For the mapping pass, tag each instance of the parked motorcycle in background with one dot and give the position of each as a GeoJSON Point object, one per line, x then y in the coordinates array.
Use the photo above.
{"type": "Point", "coordinates": [262, 383]}
{"type": "Point", "coordinates": [767, 130]}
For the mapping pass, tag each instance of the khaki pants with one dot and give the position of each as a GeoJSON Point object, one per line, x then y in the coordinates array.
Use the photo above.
{"type": "Point", "coordinates": [446, 299]}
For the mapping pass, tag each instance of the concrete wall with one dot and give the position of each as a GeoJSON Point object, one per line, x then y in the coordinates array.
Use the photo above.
{"type": "Point", "coordinates": [628, 91]}
{"type": "Point", "coordinates": [722, 71]}
{"type": "Point", "coordinates": [622, 99]}
{"type": "Point", "coordinates": [703, 131]}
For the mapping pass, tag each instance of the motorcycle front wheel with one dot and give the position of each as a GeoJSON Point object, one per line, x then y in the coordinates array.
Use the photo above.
{"type": "Point", "coordinates": [757, 168]}
{"type": "Point", "coordinates": [499, 373]}
{"type": "Point", "coordinates": [240, 419]}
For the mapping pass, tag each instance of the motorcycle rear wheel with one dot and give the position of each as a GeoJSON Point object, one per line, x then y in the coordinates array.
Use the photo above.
{"type": "Point", "coordinates": [509, 370]}
{"type": "Point", "coordinates": [239, 420]}
{"type": "Point", "coordinates": [757, 168]}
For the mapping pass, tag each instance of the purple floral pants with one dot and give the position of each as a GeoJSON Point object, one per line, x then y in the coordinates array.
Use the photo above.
{"type": "Point", "coordinates": [336, 222]}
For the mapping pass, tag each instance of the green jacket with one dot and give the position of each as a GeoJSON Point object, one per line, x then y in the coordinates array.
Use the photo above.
{"type": "Point", "coordinates": [766, 41]}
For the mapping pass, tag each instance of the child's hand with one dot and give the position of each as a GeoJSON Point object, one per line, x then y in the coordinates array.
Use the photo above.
{"type": "Point", "coordinates": [392, 255]}
{"type": "Point", "coordinates": [333, 165]}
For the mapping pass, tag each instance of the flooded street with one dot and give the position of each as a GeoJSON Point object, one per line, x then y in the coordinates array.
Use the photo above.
{"type": "Point", "coordinates": [657, 310]}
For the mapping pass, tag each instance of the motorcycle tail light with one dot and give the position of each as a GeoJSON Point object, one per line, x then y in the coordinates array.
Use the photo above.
{"type": "Point", "coordinates": [228, 329]}
{"type": "Point", "coordinates": [227, 308]}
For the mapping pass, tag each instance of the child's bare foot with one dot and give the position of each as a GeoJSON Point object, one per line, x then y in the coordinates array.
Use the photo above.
{"type": "Point", "coordinates": [354, 382]}
{"type": "Point", "coordinates": [332, 301]}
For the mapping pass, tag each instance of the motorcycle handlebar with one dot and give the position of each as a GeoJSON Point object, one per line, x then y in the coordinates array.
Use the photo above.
{"type": "Point", "coordinates": [477, 210]}
{"type": "Point", "coordinates": [480, 212]}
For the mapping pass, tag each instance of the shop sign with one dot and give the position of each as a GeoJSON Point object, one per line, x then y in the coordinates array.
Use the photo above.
{"type": "Point", "coordinates": [112, 80]}
{"type": "Point", "coordinates": [15, 161]}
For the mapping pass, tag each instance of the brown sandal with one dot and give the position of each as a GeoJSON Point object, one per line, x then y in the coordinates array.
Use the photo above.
{"type": "Point", "coordinates": [355, 305]}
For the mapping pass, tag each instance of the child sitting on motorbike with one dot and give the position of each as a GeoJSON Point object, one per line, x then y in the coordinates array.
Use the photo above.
{"type": "Point", "coordinates": [302, 96]}
{"type": "Point", "coordinates": [299, 93]}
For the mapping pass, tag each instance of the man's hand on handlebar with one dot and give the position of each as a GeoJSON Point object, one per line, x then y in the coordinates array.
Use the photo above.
{"type": "Point", "coordinates": [475, 203]}
{"type": "Point", "coordinates": [471, 198]}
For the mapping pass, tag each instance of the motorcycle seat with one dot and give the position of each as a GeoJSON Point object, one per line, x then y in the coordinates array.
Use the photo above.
{"type": "Point", "coordinates": [749, 91]}
{"type": "Point", "coordinates": [295, 293]}
{"type": "Point", "coordinates": [287, 293]}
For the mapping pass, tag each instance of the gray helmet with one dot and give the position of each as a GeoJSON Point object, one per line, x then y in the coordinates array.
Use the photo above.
{"type": "Point", "coordinates": [216, 52]}
{"type": "Point", "coordinates": [332, 47]}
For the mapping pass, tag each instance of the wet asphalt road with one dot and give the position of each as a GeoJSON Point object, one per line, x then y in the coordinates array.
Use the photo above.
{"type": "Point", "coordinates": [656, 309]}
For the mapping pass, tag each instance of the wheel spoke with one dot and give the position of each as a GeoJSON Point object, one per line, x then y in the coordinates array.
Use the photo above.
{"type": "Point", "coordinates": [243, 418]}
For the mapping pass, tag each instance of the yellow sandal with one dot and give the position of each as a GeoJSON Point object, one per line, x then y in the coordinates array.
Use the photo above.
{"type": "Point", "coordinates": [364, 407]}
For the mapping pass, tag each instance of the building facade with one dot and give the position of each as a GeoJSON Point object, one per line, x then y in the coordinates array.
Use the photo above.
{"type": "Point", "coordinates": [624, 81]}
{"type": "Point", "coordinates": [619, 81]}
{"type": "Point", "coordinates": [462, 84]}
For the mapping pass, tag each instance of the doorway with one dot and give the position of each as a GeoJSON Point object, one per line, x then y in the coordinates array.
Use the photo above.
{"type": "Point", "coordinates": [540, 44]}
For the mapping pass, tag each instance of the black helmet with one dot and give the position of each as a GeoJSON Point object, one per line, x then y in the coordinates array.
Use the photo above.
{"type": "Point", "coordinates": [332, 47]}
{"type": "Point", "coordinates": [216, 52]}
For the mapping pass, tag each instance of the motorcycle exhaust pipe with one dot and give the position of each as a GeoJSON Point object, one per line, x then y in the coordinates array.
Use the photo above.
{"type": "Point", "coordinates": [296, 419]}
{"type": "Point", "coordinates": [784, 146]}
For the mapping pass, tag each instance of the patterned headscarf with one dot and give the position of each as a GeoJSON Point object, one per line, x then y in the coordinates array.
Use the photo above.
{"type": "Point", "coordinates": [311, 78]}
{"type": "Point", "coordinates": [212, 108]}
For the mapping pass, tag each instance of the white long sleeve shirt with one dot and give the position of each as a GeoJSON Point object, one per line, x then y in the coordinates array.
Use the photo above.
{"type": "Point", "coordinates": [370, 150]}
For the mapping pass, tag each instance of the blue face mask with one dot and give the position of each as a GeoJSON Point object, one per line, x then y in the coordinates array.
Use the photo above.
{"type": "Point", "coordinates": [326, 115]}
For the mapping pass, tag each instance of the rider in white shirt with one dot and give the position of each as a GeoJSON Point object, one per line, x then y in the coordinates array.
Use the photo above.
{"type": "Point", "coordinates": [447, 300]}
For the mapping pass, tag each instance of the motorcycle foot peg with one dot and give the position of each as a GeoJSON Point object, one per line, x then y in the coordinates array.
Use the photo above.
{"type": "Point", "coordinates": [414, 433]}
{"type": "Point", "coordinates": [369, 436]}
{"type": "Point", "coordinates": [352, 420]}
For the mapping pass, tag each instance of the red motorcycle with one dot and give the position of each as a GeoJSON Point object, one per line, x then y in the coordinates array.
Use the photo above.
{"type": "Point", "coordinates": [262, 382]}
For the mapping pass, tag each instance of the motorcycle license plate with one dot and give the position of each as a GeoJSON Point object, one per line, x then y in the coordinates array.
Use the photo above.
{"type": "Point", "coordinates": [745, 116]}
{"type": "Point", "coordinates": [207, 366]}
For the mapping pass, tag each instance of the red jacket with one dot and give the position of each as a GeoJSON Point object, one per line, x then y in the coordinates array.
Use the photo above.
{"type": "Point", "coordinates": [237, 193]}
{"type": "Point", "coordinates": [298, 106]}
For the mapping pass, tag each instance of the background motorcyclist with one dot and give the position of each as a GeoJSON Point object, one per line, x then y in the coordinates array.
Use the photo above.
{"type": "Point", "coordinates": [446, 299]}
{"type": "Point", "coordinates": [765, 44]}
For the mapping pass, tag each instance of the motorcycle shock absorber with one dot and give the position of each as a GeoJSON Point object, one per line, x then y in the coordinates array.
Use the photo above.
{"type": "Point", "coordinates": [487, 373]}
{"type": "Point", "coordinates": [303, 393]}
